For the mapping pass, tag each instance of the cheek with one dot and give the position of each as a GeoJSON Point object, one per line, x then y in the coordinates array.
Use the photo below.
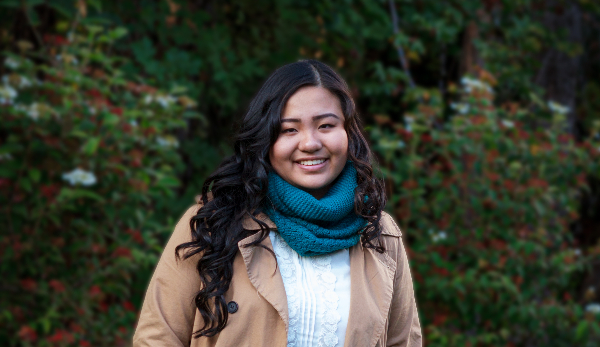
{"type": "Point", "coordinates": [342, 144]}
{"type": "Point", "coordinates": [278, 153]}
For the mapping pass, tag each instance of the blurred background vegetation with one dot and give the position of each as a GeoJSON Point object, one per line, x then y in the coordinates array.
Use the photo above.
{"type": "Point", "coordinates": [484, 115]}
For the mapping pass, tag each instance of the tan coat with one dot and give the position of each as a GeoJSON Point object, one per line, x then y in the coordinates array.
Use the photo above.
{"type": "Point", "coordinates": [382, 305]}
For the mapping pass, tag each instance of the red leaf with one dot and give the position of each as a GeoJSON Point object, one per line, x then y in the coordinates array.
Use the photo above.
{"type": "Point", "coordinates": [128, 306]}
{"type": "Point", "coordinates": [122, 252]}
{"type": "Point", "coordinates": [57, 286]}
{"type": "Point", "coordinates": [136, 235]}
{"type": "Point", "coordinates": [26, 333]}
{"type": "Point", "coordinates": [116, 110]}
{"type": "Point", "coordinates": [95, 291]}
{"type": "Point", "coordinates": [55, 40]}
{"type": "Point", "coordinates": [410, 184]}
{"type": "Point", "coordinates": [29, 284]}
{"type": "Point", "coordinates": [50, 191]}
{"type": "Point", "coordinates": [61, 336]}
{"type": "Point", "coordinates": [5, 182]}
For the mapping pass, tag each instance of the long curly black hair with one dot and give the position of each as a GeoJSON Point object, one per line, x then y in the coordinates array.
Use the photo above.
{"type": "Point", "coordinates": [239, 185]}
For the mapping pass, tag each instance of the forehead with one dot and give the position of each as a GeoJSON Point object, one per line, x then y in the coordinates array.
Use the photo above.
{"type": "Point", "coordinates": [312, 101]}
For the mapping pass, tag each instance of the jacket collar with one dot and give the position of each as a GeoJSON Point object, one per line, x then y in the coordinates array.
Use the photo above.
{"type": "Point", "coordinates": [371, 275]}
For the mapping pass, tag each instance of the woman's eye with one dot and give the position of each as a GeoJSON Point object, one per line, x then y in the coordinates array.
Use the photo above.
{"type": "Point", "coordinates": [288, 130]}
{"type": "Point", "coordinates": [326, 126]}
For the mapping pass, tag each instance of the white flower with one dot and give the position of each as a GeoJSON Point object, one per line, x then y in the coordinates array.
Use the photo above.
{"type": "Point", "coordinates": [167, 141]}
{"type": "Point", "coordinates": [33, 111]}
{"type": "Point", "coordinates": [409, 121]}
{"type": "Point", "coordinates": [462, 108]}
{"type": "Point", "coordinates": [68, 59]}
{"type": "Point", "coordinates": [470, 84]}
{"type": "Point", "coordinates": [133, 123]}
{"type": "Point", "coordinates": [437, 236]}
{"type": "Point", "coordinates": [79, 176]}
{"type": "Point", "coordinates": [508, 123]}
{"type": "Point", "coordinates": [11, 63]}
{"type": "Point", "coordinates": [7, 94]}
{"type": "Point", "coordinates": [558, 108]}
{"type": "Point", "coordinates": [165, 100]}
{"type": "Point", "coordinates": [91, 110]}
{"type": "Point", "coordinates": [577, 252]}
{"type": "Point", "coordinates": [148, 99]}
{"type": "Point", "coordinates": [5, 156]}
{"type": "Point", "coordinates": [18, 81]}
{"type": "Point", "coordinates": [593, 308]}
{"type": "Point", "coordinates": [25, 82]}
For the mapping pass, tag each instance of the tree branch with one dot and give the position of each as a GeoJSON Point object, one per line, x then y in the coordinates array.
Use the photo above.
{"type": "Point", "coordinates": [401, 55]}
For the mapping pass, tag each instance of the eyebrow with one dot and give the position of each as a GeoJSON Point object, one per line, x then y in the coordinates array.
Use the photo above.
{"type": "Point", "coordinates": [315, 118]}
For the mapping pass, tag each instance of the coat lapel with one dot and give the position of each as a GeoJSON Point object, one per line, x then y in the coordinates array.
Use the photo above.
{"type": "Point", "coordinates": [262, 269]}
{"type": "Point", "coordinates": [372, 281]}
{"type": "Point", "coordinates": [371, 278]}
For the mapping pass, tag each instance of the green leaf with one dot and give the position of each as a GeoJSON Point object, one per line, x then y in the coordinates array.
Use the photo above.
{"type": "Point", "coordinates": [168, 181]}
{"type": "Point", "coordinates": [33, 17]}
{"type": "Point", "coordinates": [118, 33]}
{"type": "Point", "coordinates": [26, 184]}
{"type": "Point", "coordinates": [10, 3]}
{"type": "Point", "coordinates": [32, 3]}
{"type": "Point", "coordinates": [35, 175]}
{"type": "Point", "coordinates": [46, 325]}
{"type": "Point", "coordinates": [91, 146]}
{"type": "Point", "coordinates": [110, 119]}
{"type": "Point", "coordinates": [582, 329]}
{"type": "Point", "coordinates": [62, 8]}
{"type": "Point", "coordinates": [67, 194]}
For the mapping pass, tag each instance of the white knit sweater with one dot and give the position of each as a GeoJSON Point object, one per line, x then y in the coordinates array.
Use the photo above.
{"type": "Point", "coordinates": [318, 295]}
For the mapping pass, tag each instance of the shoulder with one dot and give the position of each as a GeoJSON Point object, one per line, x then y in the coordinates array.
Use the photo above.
{"type": "Point", "coordinates": [391, 236]}
{"type": "Point", "coordinates": [182, 232]}
{"type": "Point", "coordinates": [389, 226]}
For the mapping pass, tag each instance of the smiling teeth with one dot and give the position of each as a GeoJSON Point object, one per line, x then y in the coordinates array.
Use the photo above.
{"type": "Point", "coordinates": [312, 162]}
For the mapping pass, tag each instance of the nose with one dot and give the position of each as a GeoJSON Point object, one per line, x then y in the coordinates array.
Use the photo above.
{"type": "Point", "coordinates": [310, 142]}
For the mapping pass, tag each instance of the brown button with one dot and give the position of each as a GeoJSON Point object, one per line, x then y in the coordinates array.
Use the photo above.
{"type": "Point", "coordinates": [232, 307]}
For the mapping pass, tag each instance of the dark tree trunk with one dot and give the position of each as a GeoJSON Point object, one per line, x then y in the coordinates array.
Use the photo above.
{"type": "Point", "coordinates": [560, 73]}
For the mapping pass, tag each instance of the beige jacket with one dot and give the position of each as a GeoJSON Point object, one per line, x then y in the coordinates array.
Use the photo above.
{"type": "Point", "coordinates": [382, 304]}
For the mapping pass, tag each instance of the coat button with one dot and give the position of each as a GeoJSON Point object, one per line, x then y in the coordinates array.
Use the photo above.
{"type": "Point", "coordinates": [232, 307]}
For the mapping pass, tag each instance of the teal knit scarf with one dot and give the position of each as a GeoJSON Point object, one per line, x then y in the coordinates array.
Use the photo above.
{"type": "Point", "coordinates": [314, 227]}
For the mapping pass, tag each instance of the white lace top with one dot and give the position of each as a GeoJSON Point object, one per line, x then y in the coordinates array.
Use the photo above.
{"type": "Point", "coordinates": [318, 295]}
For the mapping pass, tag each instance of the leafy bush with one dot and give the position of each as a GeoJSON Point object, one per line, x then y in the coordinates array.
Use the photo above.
{"type": "Point", "coordinates": [87, 164]}
{"type": "Point", "coordinates": [487, 198]}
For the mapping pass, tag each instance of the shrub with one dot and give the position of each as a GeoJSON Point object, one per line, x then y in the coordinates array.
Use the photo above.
{"type": "Point", "coordinates": [487, 197]}
{"type": "Point", "coordinates": [87, 159]}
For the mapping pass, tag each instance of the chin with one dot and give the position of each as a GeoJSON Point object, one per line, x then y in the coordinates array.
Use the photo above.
{"type": "Point", "coordinates": [312, 187]}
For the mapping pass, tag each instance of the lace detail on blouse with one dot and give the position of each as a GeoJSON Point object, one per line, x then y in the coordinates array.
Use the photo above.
{"type": "Point", "coordinates": [329, 300]}
{"type": "Point", "coordinates": [312, 301]}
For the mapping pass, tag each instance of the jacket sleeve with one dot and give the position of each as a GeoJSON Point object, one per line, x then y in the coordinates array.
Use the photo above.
{"type": "Point", "coordinates": [404, 328]}
{"type": "Point", "coordinates": [168, 312]}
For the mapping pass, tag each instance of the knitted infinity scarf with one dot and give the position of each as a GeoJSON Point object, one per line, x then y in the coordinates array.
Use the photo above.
{"type": "Point", "coordinates": [314, 227]}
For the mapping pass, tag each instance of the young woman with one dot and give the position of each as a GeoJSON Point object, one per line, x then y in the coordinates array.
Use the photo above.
{"type": "Point", "coordinates": [288, 244]}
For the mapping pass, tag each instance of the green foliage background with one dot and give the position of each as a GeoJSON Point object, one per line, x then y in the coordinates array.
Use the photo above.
{"type": "Point", "coordinates": [483, 175]}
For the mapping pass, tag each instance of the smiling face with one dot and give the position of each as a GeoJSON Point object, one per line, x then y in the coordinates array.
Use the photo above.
{"type": "Point", "coordinates": [312, 148]}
